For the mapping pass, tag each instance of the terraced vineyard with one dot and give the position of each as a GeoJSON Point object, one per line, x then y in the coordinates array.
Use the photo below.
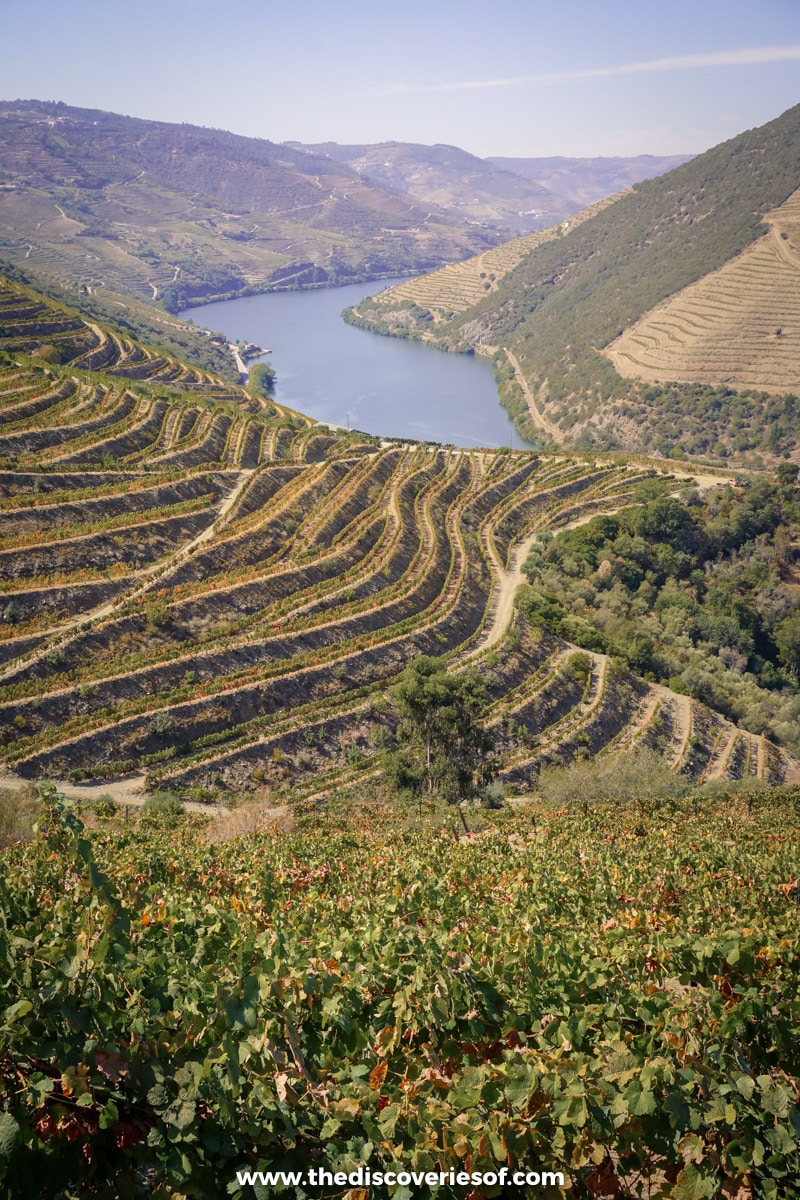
{"type": "Point", "coordinates": [739, 325]}
{"type": "Point", "coordinates": [457, 286]}
{"type": "Point", "coordinates": [212, 593]}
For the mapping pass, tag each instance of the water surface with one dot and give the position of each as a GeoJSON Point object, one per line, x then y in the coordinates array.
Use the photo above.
{"type": "Point", "coordinates": [341, 374]}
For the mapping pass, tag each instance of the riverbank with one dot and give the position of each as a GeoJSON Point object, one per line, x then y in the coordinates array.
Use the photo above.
{"type": "Point", "coordinates": [342, 376]}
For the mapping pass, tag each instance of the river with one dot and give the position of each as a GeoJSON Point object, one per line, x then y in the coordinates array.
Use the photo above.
{"type": "Point", "coordinates": [344, 375]}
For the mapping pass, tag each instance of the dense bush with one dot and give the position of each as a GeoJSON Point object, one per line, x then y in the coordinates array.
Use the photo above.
{"type": "Point", "coordinates": [639, 775]}
{"type": "Point", "coordinates": [697, 593]}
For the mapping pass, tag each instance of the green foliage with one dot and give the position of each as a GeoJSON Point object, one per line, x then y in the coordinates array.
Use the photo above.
{"type": "Point", "coordinates": [156, 612]}
{"type": "Point", "coordinates": [442, 748]}
{"type": "Point", "coordinates": [262, 380]}
{"type": "Point", "coordinates": [161, 722]}
{"type": "Point", "coordinates": [494, 795]}
{"type": "Point", "coordinates": [612, 996]}
{"type": "Point", "coordinates": [162, 810]}
{"type": "Point", "coordinates": [622, 778]}
{"type": "Point", "coordinates": [787, 639]}
{"type": "Point", "coordinates": [18, 812]}
{"type": "Point", "coordinates": [106, 806]}
{"type": "Point", "coordinates": [697, 595]}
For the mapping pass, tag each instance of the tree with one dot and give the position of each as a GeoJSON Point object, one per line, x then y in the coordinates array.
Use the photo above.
{"type": "Point", "coordinates": [787, 639]}
{"type": "Point", "coordinates": [442, 749]}
{"type": "Point", "coordinates": [787, 474]}
{"type": "Point", "coordinates": [262, 380]}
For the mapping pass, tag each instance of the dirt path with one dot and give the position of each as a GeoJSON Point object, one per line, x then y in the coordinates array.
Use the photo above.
{"type": "Point", "coordinates": [640, 722]}
{"type": "Point", "coordinates": [241, 365]}
{"type": "Point", "coordinates": [584, 709]}
{"type": "Point", "coordinates": [509, 581]}
{"type": "Point", "coordinates": [127, 789]}
{"type": "Point", "coordinates": [719, 762]}
{"type": "Point", "coordinates": [508, 584]}
{"type": "Point", "coordinates": [539, 417]}
{"type": "Point", "coordinates": [784, 248]}
{"type": "Point", "coordinates": [683, 714]}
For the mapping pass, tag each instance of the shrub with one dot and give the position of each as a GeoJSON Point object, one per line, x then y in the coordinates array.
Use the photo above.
{"type": "Point", "coordinates": [161, 723]}
{"type": "Point", "coordinates": [18, 811]}
{"type": "Point", "coordinates": [106, 806]}
{"type": "Point", "coordinates": [626, 776]}
{"type": "Point", "coordinates": [494, 795]}
{"type": "Point", "coordinates": [163, 804]}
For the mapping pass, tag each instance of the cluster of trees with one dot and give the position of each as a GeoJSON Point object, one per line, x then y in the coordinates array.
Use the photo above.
{"type": "Point", "coordinates": [697, 593]}
{"type": "Point", "coordinates": [262, 380]}
{"type": "Point", "coordinates": [717, 422]}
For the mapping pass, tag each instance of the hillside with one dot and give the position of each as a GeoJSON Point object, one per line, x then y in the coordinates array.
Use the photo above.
{"type": "Point", "coordinates": [212, 593]}
{"type": "Point", "coordinates": [739, 325]}
{"type": "Point", "coordinates": [177, 213]}
{"type": "Point", "coordinates": [208, 598]}
{"type": "Point", "coordinates": [570, 297]}
{"type": "Point", "coordinates": [130, 317]}
{"type": "Point", "coordinates": [456, 182]}
{"type": "Point", "coordinates": [584, 181]}
{"type": "Point", "coordinates": [435, 298]}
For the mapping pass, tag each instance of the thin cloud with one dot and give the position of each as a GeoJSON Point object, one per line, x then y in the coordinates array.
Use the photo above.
{"type": "Point", "coordinates": [682, 62]}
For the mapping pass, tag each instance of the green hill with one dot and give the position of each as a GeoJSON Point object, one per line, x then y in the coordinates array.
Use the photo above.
{"type": "Point", "coordinates": [572, 295]}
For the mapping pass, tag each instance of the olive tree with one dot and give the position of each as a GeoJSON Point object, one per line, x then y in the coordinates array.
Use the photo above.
{"type": "Point", "coordinates": [442, 748]}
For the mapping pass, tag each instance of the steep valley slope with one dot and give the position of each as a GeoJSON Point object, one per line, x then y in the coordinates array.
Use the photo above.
{"type": "Point", "coordinates": [178, 213]}
{"type": "Point", "coordinates": [203, 591]}
{"type": "Point", "coordinates": [555, 305]}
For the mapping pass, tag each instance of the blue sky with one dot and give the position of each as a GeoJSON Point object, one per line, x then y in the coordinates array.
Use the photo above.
{"type": "Point", "coordinates": [516, 78]}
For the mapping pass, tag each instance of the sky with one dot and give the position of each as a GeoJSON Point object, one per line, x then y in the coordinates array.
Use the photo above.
{"type": "Point", "coordinates": [512, 77]}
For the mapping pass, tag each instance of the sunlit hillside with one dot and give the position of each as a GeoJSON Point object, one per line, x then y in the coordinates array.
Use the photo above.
{"type": "Point", "coordinates": [677, 277]}
{"type": "Point", "coordinates": [739, 325]}
{"type": "Point", "coordinates": [457, 286]}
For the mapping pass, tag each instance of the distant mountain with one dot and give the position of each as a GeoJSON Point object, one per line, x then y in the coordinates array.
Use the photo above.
{"type": "Point", "coordinates": [583, 181]}
{"type": "Point", "coordinates": [551, 313]}
{"type": "Point", "coordinates": [179, 214]}
{"type": "Point", "coordinates": [464, 186]}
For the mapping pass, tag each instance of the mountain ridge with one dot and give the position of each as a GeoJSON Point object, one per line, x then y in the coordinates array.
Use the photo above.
{"type": "Point", "coordinates": [463, 185]}
{"type": "Point", "coordinates": [584, 181]}
{"type": "Point", "coordinates": [181, 214]}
